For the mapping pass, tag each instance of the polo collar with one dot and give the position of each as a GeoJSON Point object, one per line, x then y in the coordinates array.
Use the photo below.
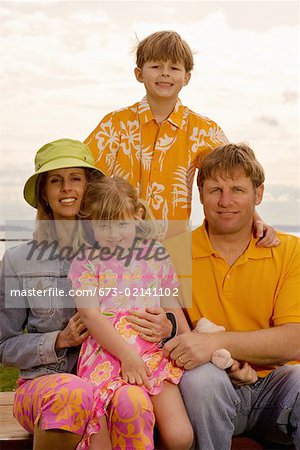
{"type": "Point", "coordinates": [145, 114]}
{"type": "Point", "coordinates": [253, 252]}
{"type": "Point", "coordinates": [201, 246]}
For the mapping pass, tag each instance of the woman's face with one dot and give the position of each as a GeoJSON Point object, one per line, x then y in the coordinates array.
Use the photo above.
{"type": "Point", "coordinates": [64, 191]}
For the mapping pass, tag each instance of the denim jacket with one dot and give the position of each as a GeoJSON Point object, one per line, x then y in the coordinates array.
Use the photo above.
{"type": "Point", "coordinates": [30, 322]}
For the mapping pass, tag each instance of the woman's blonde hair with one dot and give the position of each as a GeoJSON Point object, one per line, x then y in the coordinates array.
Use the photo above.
{"type": "Point", "coordinates": [113, 198]}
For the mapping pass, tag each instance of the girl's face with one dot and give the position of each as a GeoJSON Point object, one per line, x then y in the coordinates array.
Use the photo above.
{"type": "Point", "coordinates": [113, 233]}
{"type": "Point", "coordinates": [64, 191]}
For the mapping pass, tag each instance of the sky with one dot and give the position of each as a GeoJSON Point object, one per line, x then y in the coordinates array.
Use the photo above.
{"type": "Point", "coordinates": [65, 64]}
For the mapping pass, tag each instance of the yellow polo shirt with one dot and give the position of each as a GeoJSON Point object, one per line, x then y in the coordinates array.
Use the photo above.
{"type": "Point", "coordinates": [260, 290]}
{"type": "Point", "coordinates": [157, 159]}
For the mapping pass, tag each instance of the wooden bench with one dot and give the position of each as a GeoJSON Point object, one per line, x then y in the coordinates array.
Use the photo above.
{"type": "Point", "coordinates": [14, 437]}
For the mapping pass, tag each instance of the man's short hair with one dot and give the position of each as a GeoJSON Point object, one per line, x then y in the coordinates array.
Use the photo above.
{"type": "Point", "coordinates": [227, 159]}
{"type": "Point", "coordinates": [164, 46]}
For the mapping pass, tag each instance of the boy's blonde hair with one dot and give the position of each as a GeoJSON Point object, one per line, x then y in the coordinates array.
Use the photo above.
{"type": "Point", "coordinates": [227, 159]}
{"type": "Point", "coordinates": [163, 46]}
{"type": "Point", "coordinates": [113, 198]}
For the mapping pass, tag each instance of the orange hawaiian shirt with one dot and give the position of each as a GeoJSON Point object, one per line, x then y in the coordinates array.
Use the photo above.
{"type": "Point", "coordinates": [157, 159]}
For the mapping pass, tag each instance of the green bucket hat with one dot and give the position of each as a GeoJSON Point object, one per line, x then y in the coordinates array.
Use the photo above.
{"type": "Point", "coordinates": [59, 154]}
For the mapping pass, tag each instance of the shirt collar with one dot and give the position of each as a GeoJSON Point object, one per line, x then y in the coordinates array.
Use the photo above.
{"type": "Point", "coordinates": [201, 246]}
{"type": "Point", "coordinates": [253, 252]}
{"type": "Point", "coordinates": [175, 118]}
{"type": "Point", "coordinates": [144, 111]}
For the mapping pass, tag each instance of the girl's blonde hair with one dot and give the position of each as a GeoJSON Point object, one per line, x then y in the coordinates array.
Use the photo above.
{"type": "Point", "coordinates": [113, 198]}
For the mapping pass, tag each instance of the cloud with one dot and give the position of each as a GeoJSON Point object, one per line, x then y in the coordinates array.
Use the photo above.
{"type": "Point", "coordinates": [268, 120]}
{"type": "Point", "coordinates": [281, 193]}
{"type": "Point", "coordinates": [290, 96]}
{"type": "Point", "coordinates": [282, 198]}
{"type": "Point", "coordinates": [280, 206]}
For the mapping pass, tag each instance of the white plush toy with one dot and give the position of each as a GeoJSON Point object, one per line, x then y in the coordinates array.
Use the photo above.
{"type": "Point", "coordinates": [222, 357]}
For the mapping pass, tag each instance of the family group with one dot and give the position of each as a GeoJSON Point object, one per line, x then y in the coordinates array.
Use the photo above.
{"type": "Point", "coordinates": [136, 332]}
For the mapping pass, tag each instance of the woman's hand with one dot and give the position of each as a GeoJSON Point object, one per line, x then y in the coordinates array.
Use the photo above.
{"type": "Point", "coordinates": [134, 370]}
{"type": "Point", "coordinates": [266, 234]}
{"type": "Point", "coordinates": [73, 334]}
{"type": "Point", "coordinates": [241, 373]}
{"type": "Point", "coordinates": [152, 324]}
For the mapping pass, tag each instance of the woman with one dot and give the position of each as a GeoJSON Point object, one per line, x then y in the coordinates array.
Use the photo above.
{"type": "Point", "coordinates": [40, 329]}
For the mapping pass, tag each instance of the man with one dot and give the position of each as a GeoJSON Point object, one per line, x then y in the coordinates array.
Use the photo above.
{"type": "Point", "coordinates": [255, 294]}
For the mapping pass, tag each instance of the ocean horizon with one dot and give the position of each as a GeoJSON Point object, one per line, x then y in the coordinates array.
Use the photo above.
{"type": "Point", "coordinates": [24, 234]}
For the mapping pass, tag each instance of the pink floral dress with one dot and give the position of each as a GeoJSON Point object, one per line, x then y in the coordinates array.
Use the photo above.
{"type": "Point", "coordinates": [122, 289]}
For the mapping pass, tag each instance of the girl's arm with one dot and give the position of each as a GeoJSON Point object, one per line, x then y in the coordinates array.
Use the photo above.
{"type": "Point", "coordinates": [132, 365]}
{"type": "Point", "coordinates": [102, 330]}
{"type": "Point", "coordinates": [82, 276]}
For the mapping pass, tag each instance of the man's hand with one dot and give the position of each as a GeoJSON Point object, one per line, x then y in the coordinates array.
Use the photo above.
{"type": "Point", "coordinates": [241, 373]}
{"type": "Point", "coordinates": [73, 334]}
{"type": "Point", "coordinates": [151, 324]}
{"type": "Point", "coordinates": [190, 350]}
{"type": "Point", "coordinates": [266, 234]}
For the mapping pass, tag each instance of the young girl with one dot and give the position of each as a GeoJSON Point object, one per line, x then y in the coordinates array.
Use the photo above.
{"type": "Point", "coordinates": [126, 271]}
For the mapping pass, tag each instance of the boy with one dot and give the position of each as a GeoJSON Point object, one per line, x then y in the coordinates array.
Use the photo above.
{"type": "Point", "coordinates": [153, 143]}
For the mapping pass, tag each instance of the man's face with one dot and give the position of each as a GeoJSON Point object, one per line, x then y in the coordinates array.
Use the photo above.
{"type": "Point", "coordinates": [229, 202]}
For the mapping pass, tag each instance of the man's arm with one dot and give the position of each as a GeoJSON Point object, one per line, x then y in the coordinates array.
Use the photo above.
{"type": "Point", "coordinates": [275, 345]}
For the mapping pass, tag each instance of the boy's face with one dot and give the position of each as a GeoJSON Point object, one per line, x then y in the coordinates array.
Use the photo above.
{"type": "Point", "coordinates": [162, 79]}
